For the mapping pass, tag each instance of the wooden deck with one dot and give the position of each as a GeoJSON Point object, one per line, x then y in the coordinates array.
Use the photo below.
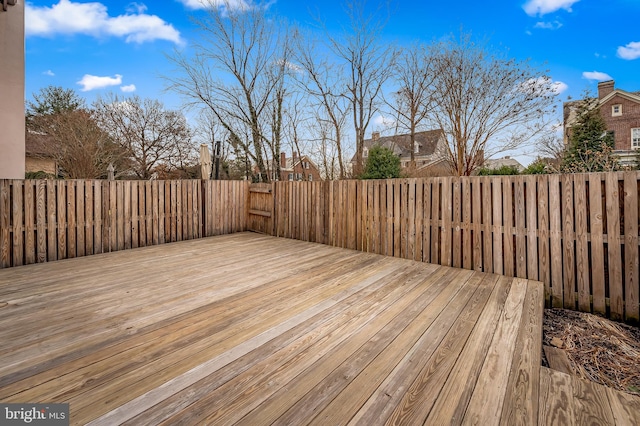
{"type": "Point", "coordinates": [248, 329]}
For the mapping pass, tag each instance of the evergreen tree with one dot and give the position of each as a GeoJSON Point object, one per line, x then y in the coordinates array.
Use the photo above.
{"type": "Point", "coordinates": [382, 163]}
{"type": "Point", "coordinates": [53, 100]}
{"type": "Point", "coordinates": [590, 144]}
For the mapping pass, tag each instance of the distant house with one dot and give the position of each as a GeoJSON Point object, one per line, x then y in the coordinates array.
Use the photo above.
{"type": "Point", "coordinates": [621, 112]}
{"type": "Point", "coordinates": [296, 168]}
{"type": "Point", "coordinates": [496, 163]}
{"type": "Point", "coordinates": [38, 154]}
{"type": "Point", "coordinates": [428, 151]}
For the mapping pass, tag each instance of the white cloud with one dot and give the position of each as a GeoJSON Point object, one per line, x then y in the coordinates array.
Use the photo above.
{"type": "Point", "coordinates": [543, 7]}
{"type": "Point", "coordinates": [229, 4]}
{"type": "Point", "coordinates": [548, 25]}
{"type": "Point", "coordinates": [136, 8]}
{"type": "Point", "coordinates": [558, 87]}
{"type": "Point", "coordinates": [49, 73]}
{"type": "Point", "coordinates": [630, 51]}
{"type": "Point", "coordinates": [596, 75]}
{"type": "Point", "coordinates": [380, 121]}
{"type": "Point", "coordinates": [542, 86]}
{"type": "Point", "coordinates": [129, 88]}
{"type": "Point", "coordinates": [67, 17]}
{"type": "Point", "coordinates": [90, 82]}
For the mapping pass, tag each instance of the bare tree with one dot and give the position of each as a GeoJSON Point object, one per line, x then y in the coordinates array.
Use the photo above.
{"type": "Point", "coordinates": [238, 70]}
{"type": "Point", "coordinates": [82, 150]}
{"type": "Point", "coordinates": [367, 63]}
{"type": "Point", "coordinates": [552, 149]}
{"type": "Point", "coordinates": [325, 151]}
{"type": "Point", "coordinates": [486, 103]}
{"type": "Point", "coordinates": [324, 83]}
{"type": "Point", "coordinates": [64, 129]}
{"type": "Point", "coordinates": [151, 135]}
{"type": "Point", "coordinates": [413, 73]}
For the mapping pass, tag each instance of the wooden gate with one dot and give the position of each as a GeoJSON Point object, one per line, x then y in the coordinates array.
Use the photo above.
{"type": "Point", "coordinates": [261, 202]}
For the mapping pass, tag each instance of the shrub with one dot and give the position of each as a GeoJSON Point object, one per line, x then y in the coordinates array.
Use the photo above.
{"type": "Point", "coordinates": [382, 163]}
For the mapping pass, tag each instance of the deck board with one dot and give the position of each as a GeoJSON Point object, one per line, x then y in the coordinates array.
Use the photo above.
{"type": "Point", "coordinates": [249, 329]}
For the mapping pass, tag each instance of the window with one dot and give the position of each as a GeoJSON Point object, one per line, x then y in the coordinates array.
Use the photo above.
{"type": "Point", "coordinates": [635, 138]}
{"type": "Point", "coordinates": [365, 152]}
{"type": "Point", "coordinates": [305, 164]}
{"type": "Point", "coordinates": [310, 178]}
{"type": "Point", "coordinates": [616, 110]}
{"type": "Point", "coordinates": [290, 176]}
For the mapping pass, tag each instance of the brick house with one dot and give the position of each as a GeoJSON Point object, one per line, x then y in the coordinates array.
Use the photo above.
{"type": "Point", "coordinates": [428, 152]}
{"type": "Point", "coordinates": [621, 112]}
{"type": "Point", "coordinates": [298, 168]}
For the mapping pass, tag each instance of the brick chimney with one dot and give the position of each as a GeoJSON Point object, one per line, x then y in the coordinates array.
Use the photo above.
{"type": "Point", "coordinates": [283, 160]}
{"type": "Point", "coordinates": [375, 136]}
{"type": "Point", "coordinates": [604, 88]}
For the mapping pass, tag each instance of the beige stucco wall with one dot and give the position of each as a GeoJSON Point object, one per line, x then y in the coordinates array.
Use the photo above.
{"type": "Point", "coordinates": [12, 156]}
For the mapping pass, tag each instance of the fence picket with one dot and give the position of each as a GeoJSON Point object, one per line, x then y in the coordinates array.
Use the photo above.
{"type": "Point", "coordinates": [29, 222]}
{"type": "Point", "coordinates": [612, 200]}
{"type": "Point", "coordinates": [582, 247]}
{"type": "Point", "coordinates": [596, 232]}
{"type": "Point", "coordinates": [631, 247]}
{"type": "Point", "coordinates": [568, 243]}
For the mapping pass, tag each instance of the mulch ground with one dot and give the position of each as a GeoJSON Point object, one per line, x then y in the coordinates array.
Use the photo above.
{"type": "Point", "coordinates": [600, 350]}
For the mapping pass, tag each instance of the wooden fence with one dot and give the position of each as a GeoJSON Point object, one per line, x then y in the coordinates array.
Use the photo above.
{"type": "Point", "coordinates": [576, 233]}
{"type": "Point", "coordinates": [44, 220]}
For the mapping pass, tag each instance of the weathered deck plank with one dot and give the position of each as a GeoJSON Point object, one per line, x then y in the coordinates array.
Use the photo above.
{"type": "Point", "coordinates": [248, 329]}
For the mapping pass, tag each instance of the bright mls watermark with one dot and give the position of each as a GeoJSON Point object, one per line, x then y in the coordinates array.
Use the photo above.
{"type": "Point", "coordinates": [34, 414]}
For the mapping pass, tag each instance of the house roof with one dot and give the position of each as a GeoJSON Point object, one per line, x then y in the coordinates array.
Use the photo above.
{"type": "Point", "coordinates": [292, 162]}
{"type": "Point", "coordinates": [401, 144]}
{"type": "Point", "coordinates": [632, 96]}
{"type": "Point", "coordinates": [496, 163]}
{"type": "Point", "coordinates": [38, 145]}
{"type": "Point", "coordinates": [569, 107]}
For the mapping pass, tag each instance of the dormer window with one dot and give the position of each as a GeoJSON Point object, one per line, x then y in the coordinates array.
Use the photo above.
{"type": "Point", "coordinates": [416, 147]}
{"type": "Point", "coordinates": [365, 152]}
{"type": "Point", "coordinates": [616, 110]}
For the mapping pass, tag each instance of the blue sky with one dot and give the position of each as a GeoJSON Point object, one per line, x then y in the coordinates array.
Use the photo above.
{"type": "Point", "coordinates": [120, 46]}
